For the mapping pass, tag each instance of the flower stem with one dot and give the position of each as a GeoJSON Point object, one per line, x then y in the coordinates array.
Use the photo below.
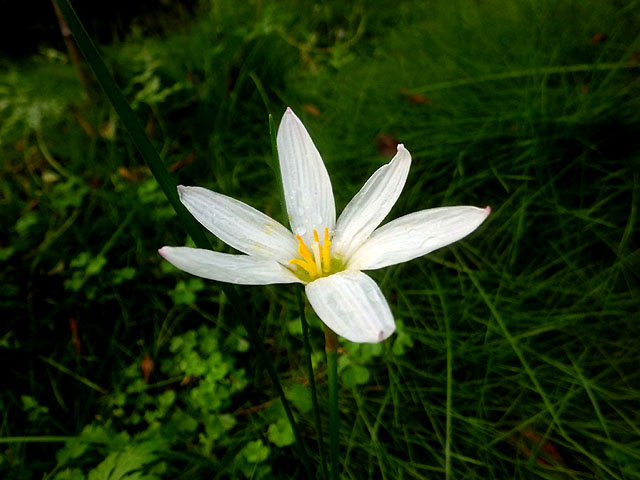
{"type": "Point", "coordinates": [331, 349]}
{"type": "Point", "coordinates": [168, 185]}
{"type": "Point", "coordinates": [312, 384]}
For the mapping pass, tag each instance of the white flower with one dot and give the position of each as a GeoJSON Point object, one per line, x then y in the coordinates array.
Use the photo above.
{"type": "Point", "coordinates": [328, 257]}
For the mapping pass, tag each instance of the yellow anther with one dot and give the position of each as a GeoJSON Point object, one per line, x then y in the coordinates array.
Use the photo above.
{"type": "Point", "coordinates": [309, 267]}
{"type": "Point", "coordinates": [326, 252]}
{"type": "Point", "coordinates": [316, 260]}
{"type": "Point", "coordinates": [304, 251]}
{"type": "Point", "coordinates": [315, 248]}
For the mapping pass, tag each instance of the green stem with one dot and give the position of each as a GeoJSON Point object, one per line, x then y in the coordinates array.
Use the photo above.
{"type": "Point", "coordinates": [331, 349]}
{"type": "Point", "coordinates": [312, 383]}
{"type": "Point", "coordinates": [449, 401]}
{"type": "Point", "coordinates": [168, 185]}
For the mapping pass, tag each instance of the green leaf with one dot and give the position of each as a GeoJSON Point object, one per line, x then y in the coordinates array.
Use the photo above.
{"type": "Point", "coordinates": [295, 327]}
{"type": "Point", "coordinates": [166, 399]}
{"type": "Point", "coordinates": [70, 474]}
{"type": "Point", "coordinates": [32, 408]}
{"type": "Point", "coordinates": [218, 425]}
{"type": "Point", "coordinates": [28, 403]}
{"type": "Point", "coordinates": [208, 343]}
{"type": "Point", "coordinates": [238, 380]}
{"type": "Point", "coordinates": [255, 452]}
{"type": "Point", "coordinates": [317, 359]}
{"type": "Point", "coordinates": [185, 292]}
{"type": "Point", "coordinates": [181, 295]}
{"type": "Point", "coordinates": [125, 465]}
{"type": "Point", "coordinates": [355, 375]}
{"type": "Point", "coordinates": [104, 468]}
{"type": "Point", "coordinates": [6, 341]}
{"type": "Point", "coordinates": [300, 396]}
{"type": "Point", "coordinates": [228, 421]}
{"type": "Point", "coordinates": [99, 434]}
{"type": "Point", "coordinates": [96, 265]}
{"type": "Point", "coordinates": [6, 252]}
{"type": "Point", "coordinates": [68, 194]}
{"type": "Point", "coordinates": [149, 192]}
{"type": "Point", "coordinates": [281, 433]}
{"type": "Point", "coordinates": [166, 267]}
{"type": "Point", "coordinates": [74, 283]}
{"type": "Point", "coordinates": [184, 422]}
{"type": "Point", "coordinates": [74, 448]}
{"type": "Point", "coordinates": [80, 260]}
{"type": "Point", "coordinates": [24, 223]}
{"type": "Point", "coordinates": [123, 274]}
{"type": "Point", "coordinates": [242, 344]}
{"type": "Point", "coordinates": [402, 343]}
{"type": "Point", "coordinates": [237, 340]}
{"type": "Point", "coordinates": [363, 352]}
{"type": "Point", "coordinates": [343, 362]}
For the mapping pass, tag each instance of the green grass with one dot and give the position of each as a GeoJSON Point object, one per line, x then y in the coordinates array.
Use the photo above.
{"type": "Point", "coordinates": [514, 344]}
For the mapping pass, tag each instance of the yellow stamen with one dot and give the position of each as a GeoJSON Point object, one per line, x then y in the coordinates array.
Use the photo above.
{"type": "Point", "coordinates": [316, 251]}
{"type": "Point", "coordinates": [309, 267]}
{"type": "Point", "coordinates": [326, 252]}
{"type": "Point", "coordinates": [304, 251]}
{"type": "Point", "coordinates": [316, 260]}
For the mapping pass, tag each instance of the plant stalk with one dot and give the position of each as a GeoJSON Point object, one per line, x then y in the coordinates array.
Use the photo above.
{"type": "Point", "coordinates": [331, 349]}
{"type": "Point", "coordinates": [312, 384]}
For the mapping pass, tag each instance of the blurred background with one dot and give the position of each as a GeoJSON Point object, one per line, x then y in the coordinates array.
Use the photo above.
{"type": "Point", "coordinates": [517, 351]}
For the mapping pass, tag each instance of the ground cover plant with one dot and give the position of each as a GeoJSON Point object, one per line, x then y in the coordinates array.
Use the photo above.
{"type": "Point", "coordinates": [516, 351]}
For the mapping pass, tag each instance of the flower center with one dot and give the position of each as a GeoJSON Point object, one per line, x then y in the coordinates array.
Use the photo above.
{"type": "Point", "coordinates": [316, 261]}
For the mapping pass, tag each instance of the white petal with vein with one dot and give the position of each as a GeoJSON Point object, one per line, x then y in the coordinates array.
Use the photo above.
{"type": "Point", "coordinates": [306, 184]}
{"type": "Point", "coordinates": [225, 267]}
{"type": "Point", "coordinates": [239, 225]}
{"type": "Point", "coordinates": [351, 304]}
{"type": "Point", "coordinates": [371, 204]}
{"type": "Point", "coordinates": [417, 234]}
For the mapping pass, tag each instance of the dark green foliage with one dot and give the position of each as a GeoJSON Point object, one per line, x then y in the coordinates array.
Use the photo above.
{"type": "Point", "coordinates": [516, 353]}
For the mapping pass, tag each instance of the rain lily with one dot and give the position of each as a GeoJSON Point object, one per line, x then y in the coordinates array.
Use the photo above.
{"type": "Point", "coordinates": [325, 255]}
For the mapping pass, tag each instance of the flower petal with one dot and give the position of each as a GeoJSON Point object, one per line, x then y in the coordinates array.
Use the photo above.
{"type": "Point", "coordinates": [225, 267]}
{"type": "Point", "coordinates": [239, 225]}
{"type": "Point", "coordinates": [371, 204]}
{"type": "Point", "coordinates": [307, 188]}
{"type": "Point", "coordinates": [417, 234]}
{"type": "Point", "coordinates": [351, 304]}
